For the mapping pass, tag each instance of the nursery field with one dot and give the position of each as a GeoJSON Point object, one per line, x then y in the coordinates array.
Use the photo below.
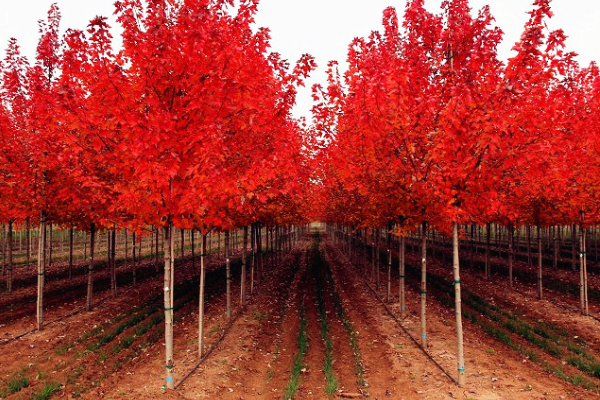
{"type": "Point", "coordinates": [317, 326]}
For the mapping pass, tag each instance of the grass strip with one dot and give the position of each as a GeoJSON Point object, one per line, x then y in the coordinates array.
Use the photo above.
{"type": "Point", "coordinates": [294, 383]}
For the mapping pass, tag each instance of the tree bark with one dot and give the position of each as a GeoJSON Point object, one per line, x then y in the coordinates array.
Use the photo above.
{"type": "Point", "coordinates": [228, 286]}
{"type": "Point", "coordinates": [201, 305]}
{"type": "Point", "coordinates": [193, 250]}
{"type": "Point", "coordinates": [402, 267]}
{"type": "Point", "coordinates": [41, 271]}
{"type": "Point", "coordinates": [70, 252]}
{"type": "Point", "coordinates": [168, 304]}
{"type": "Point", "coordinates": [510, 254]}
{"type": "Point", "coordinates": [583, 272]}
{"type": "Point", "coordinates": [112, 264]}
{"type": "Point", "coordinates": [528, 245]}
{"type": "Point", "coordinates": [28, 245]}
{"type": "Point", "coordinates": [540, 285]}
{"type": "Point", "coordinates": [9, 280]}
{"type": "Point", "coordinates": [90, 283]}
{"type": "Point", "coordinates": [243, 276]}
{"type": "Point", "coordinates": [50, 246]}
{"type": "Point", "coordinates": [252, 256]}
{"type": "Point", "coordinates": [389, 275]}
{"type": "Point", "coordinates": [424, 286]}
{"type": "Point", "coordinates": [182, 242]}
{"type": "Point", "coordinates": [488, 236]}
{"type": "Point", "coordinates": [458, 307]}
{"type": "Point", "coordinates": [133, 264]}
{"type": "Point", "coordinates": [573, 250]}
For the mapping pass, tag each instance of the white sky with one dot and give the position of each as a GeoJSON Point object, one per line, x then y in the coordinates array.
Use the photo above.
{"type": "Point", "coordinates": [323, 28]}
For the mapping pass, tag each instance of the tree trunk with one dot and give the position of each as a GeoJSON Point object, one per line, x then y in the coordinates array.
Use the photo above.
{"type": "Point", "coordinates": [540, 286]}
{"type": "Point", "coordinates": [488, 236]}
{"type": "Point", "coordinates": [573, 256]}
{"type": "Point", "coordinates": [555, 249]}
{"type": "Point", "coordinates": [201, 305]}
{"type": "Point", "coordinates": [259, 245]}
{"type": "Point", "coordinates": [389, 275]}
{"type": "Point", "coordinates": [252, 256]}
{"type": "Point", "coordinates": [28, 245]}
{"type": "Point", "coordinates": [377, 260]}
{"type": "Point", "coordinates": [424, 286]}
{"type": "Point", "coordinates": [133, 264]}
{"type": "Point", "coordinates": [112, 264]}
{"type": "Point", "coordinates": [243, 276]}
{"type": "Point", "coordinates": [182, 242]}
{"type": "Point", "coordinates": [168, 304]}
{"type": "Point", "coordinates": [402, 267]}
{"type": "Point", "coordinates": [9, 280]}
{"type": "Point", "coordinates": [50, 246]}
{"type": "Point", "coordinates": [41, 271]}
{"type": "Point", "coordinates": [458, 306]}
{"type": "Point", "coordinates": [90, 283]}
{"type": "Point", "coordinates": [228, 286]}
{"type": "Point", "coordinates": [510, 254]}
{"type": "Point", "coordinates": [70, 252]}
{"type": "Point", "coordinates": [193, 250]}
{"type": "Point", "coordinates": [582, 272]}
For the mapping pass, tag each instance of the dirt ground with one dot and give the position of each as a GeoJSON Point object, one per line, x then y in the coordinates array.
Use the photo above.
{"type": "Point", "coordinates": [116, 351]}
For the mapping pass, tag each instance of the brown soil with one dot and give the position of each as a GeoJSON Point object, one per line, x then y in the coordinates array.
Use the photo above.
{"type": "Point", "coordinates": [253, 353]}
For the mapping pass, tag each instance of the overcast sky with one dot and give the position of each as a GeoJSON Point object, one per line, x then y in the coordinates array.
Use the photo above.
{"type": "Point", "coordinates": [323, 28]}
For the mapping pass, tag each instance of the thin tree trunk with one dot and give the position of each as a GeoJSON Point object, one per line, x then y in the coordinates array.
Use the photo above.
{"type": "Point", "coordinates": [377, 261]}
{"type": "Point", "coordinates": [488, 236]}
{"type": "Point", "coordinates": [193, 250]}
{"type": "Point", "coordinates": [113, 268]}
{"type": "Point", "coordinates": [582, 271]}
{"type": "Point", "coordinates": [402, 266]}
{"type": "Point", "coordinates": [9, 281]}
{"type": "Point", "coordinates": [168, 305]}
{"type": "Point", "coordinates": [228, 286]}
{"type": "Point", "coordinates": [90, 283]}
{"type": "Point", "coordinates": [573, 256]}
{"type": "Point", "coordinates": [424, 286]}
{"type": "Point", "coordinates": [70, 252]}
{"type": "Point", "coordinates": [585, 275]}
{"type": "Point", "coordinates": [389, 275]}
{"type": "Point", "coordinates": [201, 305]}
{"type": "Point", "coordinates": [50, 247]}
{"type": "Point", "coordinates": [243, 276]}
{"type": "Point", "coordinates": [259, 245]}
{"type": "Point", "coordinates": [555, 248]}
{"type": "Point", "coordinates": [529, 245]}
{"type": "Point", "coordinates": [253, 255]}
{"type": "Point", "coordinates": [540, 285]}
{"type": "Point", "coordinates": [182, 234]}
{"type": "Point", "coordinates": [156, 263]}
{"type": "Point", "coordinates": [510, 254]}
{"type": "Point", "coordinates": [41, 271]}
{"type": "Point", "coordinates": [140, 249]}
{"type": "Point", "coordinates": [133, 264]}
{"type": "Point", "coordinates": [28, 246]}
{"type": "Point", "coordinates": [458, 306]}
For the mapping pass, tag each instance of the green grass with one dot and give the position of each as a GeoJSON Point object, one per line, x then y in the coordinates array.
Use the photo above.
{"type": "Point", "coordinates": [47, 392]}
{"type": "Point", "coordinates": [15, 384]}
{"type": "Point", "coordinates": [318, 262]}
{"type": "Point", "coordinates": [339, 310]}
{"type": "Point", "coordinates": [294, 382]}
